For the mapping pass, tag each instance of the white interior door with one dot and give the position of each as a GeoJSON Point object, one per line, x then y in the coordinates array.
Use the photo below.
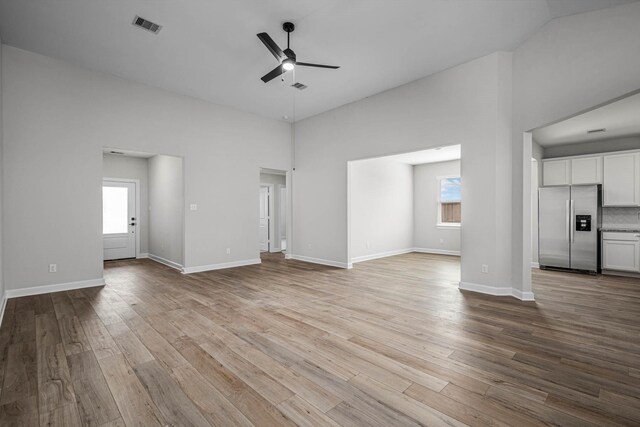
{"type": "Point", "coordinates": [119, 219]}
{"type": "Point", "coordinates": [264, 218]}
{"type": "Point", "coordinates": [283, 218]}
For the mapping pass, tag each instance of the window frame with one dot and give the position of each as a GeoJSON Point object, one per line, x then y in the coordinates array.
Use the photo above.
{"type": "Point", "coordinates": [439, 222]}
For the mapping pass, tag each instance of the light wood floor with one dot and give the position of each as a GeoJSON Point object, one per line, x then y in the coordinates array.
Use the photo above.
{"type": "Point", "coordinates": [392, 342]}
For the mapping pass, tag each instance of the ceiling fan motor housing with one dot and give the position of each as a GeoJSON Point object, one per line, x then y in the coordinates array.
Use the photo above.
{"type": "Point", "coordinates": [290, 54]}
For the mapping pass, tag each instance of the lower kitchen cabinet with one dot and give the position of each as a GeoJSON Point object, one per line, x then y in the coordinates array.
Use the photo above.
{"type": "Point", "coordinates": [621, 251]}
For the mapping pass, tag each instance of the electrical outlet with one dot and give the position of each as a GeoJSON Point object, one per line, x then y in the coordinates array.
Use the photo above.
{"type": "Point", "coordinates": [228, 251]}
{"type": "Point", "coordinates": [441, 241]}
{"type": "Point", "coordinates": [193, 207]}
{"type": "Point", "coordinates": [485, 268]}
{"type": "Point", "coordinates": [53, 268]}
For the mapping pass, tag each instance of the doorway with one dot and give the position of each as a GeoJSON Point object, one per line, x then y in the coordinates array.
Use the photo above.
{"type": "Point", "coordinates": [405, 203]}
{"type": "Point", "coordinates": [120, 213]}
{"type": "Point", "coordinates": [143, 206]}
{"type": "Point", "coordinates": [273, 210]}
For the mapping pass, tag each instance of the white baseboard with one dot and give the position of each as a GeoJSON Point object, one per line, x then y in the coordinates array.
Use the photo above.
{"type": "Point", "coordinates": [381, 255]}
{"type": "Point", "coordinates": [143, 255]}
{"type": "Point", "coordinates": [436, 251]}
{"type": "Point", "coordinates": [201, 268]}
{"type": "Point", "coordinates": [522, 296]}
{"type": "Point", "coordinates": [166, 262]}
{"type": "Point", "coordinates": [3, 305]}
{"type": "Point", "coordinates": [496, 291]}
{"type": "Point", "coordinates": [46, 289]}
{"type": "Point", "coordinates": [288, 256]}
{"type": "Point", "coordinates": [322, 261]}
{"type": "Point", "coordinates": [535, 265]}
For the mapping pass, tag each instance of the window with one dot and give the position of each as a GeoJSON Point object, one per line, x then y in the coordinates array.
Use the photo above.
{"type": "Point", "coordinates": [115, 210]}
{"type": "Point", "coordinates": [449, 206]}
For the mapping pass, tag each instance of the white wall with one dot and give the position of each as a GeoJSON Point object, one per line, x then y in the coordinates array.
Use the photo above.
{"type": "Point", "coordinates": [592, 147]}
{"type": "Point", "coordinates": [570, 65]}
{"type": "Point", "coordinates": [535, 170]}
{"type": "Point", "coordinates": [469, 105]}
{"type": "Point", "coordinates": [166, 212]}
{"type": "Point", "coordinates": [118, 166]}
{"type": "Point", "coordinates": [277, 227]}
{"type": "Point", "coordinates": [57, 119]}
{"type": "Point", "coordinates": [427, 233]}
{"type": "Point", "coordinates": [2, 286]}
{"type": "Point", "coordinates": [381, 203]}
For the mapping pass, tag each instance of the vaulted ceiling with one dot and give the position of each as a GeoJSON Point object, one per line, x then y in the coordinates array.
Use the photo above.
{"type": "Point", "coordinates": [208, 48]}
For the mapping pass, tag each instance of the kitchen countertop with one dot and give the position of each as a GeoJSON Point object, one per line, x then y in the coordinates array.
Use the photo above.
{"type": "Point", "coordinates": [622, 229]}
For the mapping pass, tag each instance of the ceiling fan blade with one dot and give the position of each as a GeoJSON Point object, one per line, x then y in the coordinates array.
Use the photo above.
{"type": "Point", "coordinates": [273, 74]}
{"type": "Point", "coordinates": [306, 64]}
{"type": "Point", "coordinates": [272, 46]}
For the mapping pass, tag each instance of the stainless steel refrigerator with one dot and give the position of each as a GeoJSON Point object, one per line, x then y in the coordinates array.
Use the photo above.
{"type": "Point", "coordinates": [569, 218]}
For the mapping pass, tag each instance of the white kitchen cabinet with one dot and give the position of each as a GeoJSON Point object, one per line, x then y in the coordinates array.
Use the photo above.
{"type": "Point", "coordinates": [556, 172]}
{"type": "Point", "coordinates": [621, 251]}
{"type": "Point", "coordinates": [621, 175]}
{"type": "Point", "coordinates": [586, 170]}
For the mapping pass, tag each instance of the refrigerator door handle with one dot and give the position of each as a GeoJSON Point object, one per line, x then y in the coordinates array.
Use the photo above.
{"type": "Point", "coordinates": [567, 225]}
{"type": "Point", "coordinates": [571, 222]}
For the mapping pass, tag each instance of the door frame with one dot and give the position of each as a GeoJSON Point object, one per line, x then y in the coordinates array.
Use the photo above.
{"type": "Point", "coordinates": [282, 212]}
{"type": "Point", "coordinates": [271, 228]}
{"type": "Point", "coordinates": [136, 182]}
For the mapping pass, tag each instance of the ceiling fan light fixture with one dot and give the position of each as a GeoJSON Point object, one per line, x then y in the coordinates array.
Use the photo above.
{"type": "Point", "coordinates": [288, 64]}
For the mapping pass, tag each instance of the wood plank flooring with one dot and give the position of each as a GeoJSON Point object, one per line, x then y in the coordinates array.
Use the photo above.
{"type": "Point", "coordinates": [392, 342]}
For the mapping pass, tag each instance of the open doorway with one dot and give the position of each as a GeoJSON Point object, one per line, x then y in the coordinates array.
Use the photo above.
{"type": "Point", "coordinates": [406, 203]}
{"type": "Point", "coordinates": [587, 217]}
{"type": "Point", "coordinates": [143, 207]}
{"type": "Point", "coordinates": [273, 211]}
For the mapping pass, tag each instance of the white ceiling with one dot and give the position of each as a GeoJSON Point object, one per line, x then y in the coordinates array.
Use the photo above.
{"type": "Point", "coordinates": [432, 155]}
{"type": "Point", "coordinates": [620, 119]}
{"type": "Point", "coordinates": [208, 48]}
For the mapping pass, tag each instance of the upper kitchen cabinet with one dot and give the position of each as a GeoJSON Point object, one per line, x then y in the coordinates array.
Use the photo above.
{"type": "Point", "coordinates": [586, 170]}
{"type": "Point", "coordinates": [621, 175]}
{"type": "Point", "coordinates": [556, 172]}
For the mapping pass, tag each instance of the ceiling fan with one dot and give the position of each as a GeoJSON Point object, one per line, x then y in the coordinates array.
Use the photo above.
{"type": "Point", "coordinates": [287, 57]}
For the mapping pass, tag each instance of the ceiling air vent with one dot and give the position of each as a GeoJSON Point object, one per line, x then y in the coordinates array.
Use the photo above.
{"type": "Point", "coordinates": [147, 25]}
{"type": "Point", "coordinates": [299, 86]}
{"type": "Point", "coordinates": [597, 130]}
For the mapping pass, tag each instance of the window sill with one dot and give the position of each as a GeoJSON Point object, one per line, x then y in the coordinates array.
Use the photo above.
{"type": "Point", "coordinates": [445, 225]}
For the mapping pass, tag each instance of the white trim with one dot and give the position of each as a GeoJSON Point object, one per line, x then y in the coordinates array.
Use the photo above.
{"type": "Point", "coordinates": [381, 255]}
{"type": "Point", "coordinates": [278, 191]}
{"type": "Point", "coordinates": [496, 291]}
{"type": "Point", "coordinates": [322, 261]}
{"type": "Point", "coordinates": [45, 289]}
{"type": "Point", "coordinates": [270, 228]}
{"type": "Point", "coordinates": [535, 264]}
{"type": "Point", "coordinates": [522, 296]}
{"type": "Point", "coordinates": [3, 305]}
{"type": "Point", "coordinates": [143, 255]}
{"type": "Point", "coordinates": [288, 256]}
{"type": "Point", "coordinates": [436, 251]}
{"type": "Point", "coordinates": [201, 268]}
{"type": "Point", "coordinates": [165, 261]}
{"type": "Point", "coordinates": [136, 182]}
